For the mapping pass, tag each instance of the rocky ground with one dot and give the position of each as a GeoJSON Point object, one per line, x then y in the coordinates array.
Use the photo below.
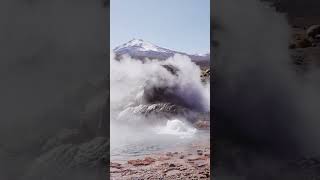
{"type": "Point", "coordinates": [190, 163]}
{"type": "Point", "coordinates": [305, 50]}
{"type": "Point", "coordinates": [304, 19]}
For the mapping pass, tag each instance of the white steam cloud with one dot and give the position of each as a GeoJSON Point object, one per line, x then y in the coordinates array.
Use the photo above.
{"type": "Point", "coordinates": [129, 76]}
{"type": "Point", "coordinates": [128, 79]}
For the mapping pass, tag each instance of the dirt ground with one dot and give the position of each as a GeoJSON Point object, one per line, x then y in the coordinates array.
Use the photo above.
{"type": "Point", "coordinates": [193, 163]}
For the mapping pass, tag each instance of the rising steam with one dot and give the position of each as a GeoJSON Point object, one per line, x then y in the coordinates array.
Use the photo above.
{"type": "Point", "coordinates": [129, 79]}
{"type": "Point", "coordinates": [258, 95]}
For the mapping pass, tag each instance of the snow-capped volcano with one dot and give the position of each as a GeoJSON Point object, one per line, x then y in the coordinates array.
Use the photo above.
{"type": "Point", "coordinates": [140, 49]}
{"type": "Point", "coordinates": [140, 45]}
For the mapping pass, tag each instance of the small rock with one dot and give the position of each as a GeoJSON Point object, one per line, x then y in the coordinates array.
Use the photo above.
{"type": "Point", "coordinates": [115, 165]}
{"type": "Point", "coordinates": [202, 124]}
{"type": "Point", "coordinates": [173, 172]}
{"type": "Point", "coordinates": [139, 162]}
{"type": "Point", "coordinates": [115, 170]}
{"type": "Point", "coordinates": [181, 157]}
{"type": "Point", "coordinates": [207, 175]}
{"type": "Point", "coordinates": [201, 164]}
{"type": "Point", "coordinates": [163, 158]}
{"type": "Point", "coordinates": [183, 168]}
{"type": "Point", "coordinates": [195, 158]}
{"type": "Point", "coordinates": [169, 154]}
{"type": "Point", "coordinates": [172, 165]}
{"type": "Point", "coordinates": [202, 176]}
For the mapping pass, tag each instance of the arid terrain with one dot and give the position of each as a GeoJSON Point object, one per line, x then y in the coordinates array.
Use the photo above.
{"type": "Point", "coordinates": [191, 162]}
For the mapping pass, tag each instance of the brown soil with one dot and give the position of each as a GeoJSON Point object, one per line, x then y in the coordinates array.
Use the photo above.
{"type": "Point", "coordinates": [188, 164]}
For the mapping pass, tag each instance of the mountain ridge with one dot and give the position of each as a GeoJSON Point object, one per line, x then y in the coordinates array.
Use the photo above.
{"type": "Point", "coordinates": [140, 49]}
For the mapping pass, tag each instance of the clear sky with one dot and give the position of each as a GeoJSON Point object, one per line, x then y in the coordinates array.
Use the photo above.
{"type": "Point", "coordinates": [182, 25]}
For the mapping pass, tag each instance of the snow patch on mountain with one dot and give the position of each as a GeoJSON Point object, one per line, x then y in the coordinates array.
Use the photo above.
{"type": "Point", "coordinates": [139, 44]}
{"type": "Point", "coordinates": [140, 49]}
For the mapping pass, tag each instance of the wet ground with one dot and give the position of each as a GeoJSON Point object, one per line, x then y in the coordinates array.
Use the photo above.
{"type": "Point", "coordinates": [189, 159]}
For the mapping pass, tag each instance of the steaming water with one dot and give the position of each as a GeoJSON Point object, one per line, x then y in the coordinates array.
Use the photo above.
{"type": "Point", "coordinates": [135, 132]}
{"type": "Point", "coordinates": [177, 128]}
{"type": "Point", "coordinates": [175, 135]}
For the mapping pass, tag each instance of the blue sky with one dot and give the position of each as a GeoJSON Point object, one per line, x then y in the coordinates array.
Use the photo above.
{"type": "Point", "coordinates": [182, 25]}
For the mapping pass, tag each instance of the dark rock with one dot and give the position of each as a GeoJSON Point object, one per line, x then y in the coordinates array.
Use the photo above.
{"type": "Point", "coordinates": [313, 31]}
{"type": "Point", "coordinates": [169, 154]}
{"type": "Point", "coordinates": [205, 74]}
{"type": "Point", "coordinates": [115, 165]}
{"type": "Point", "coordinates": [199, 152]}
{"type": "Point", "coordinates": [157, 108]}
{"type": "Point", "coordinates": [172, 69]}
